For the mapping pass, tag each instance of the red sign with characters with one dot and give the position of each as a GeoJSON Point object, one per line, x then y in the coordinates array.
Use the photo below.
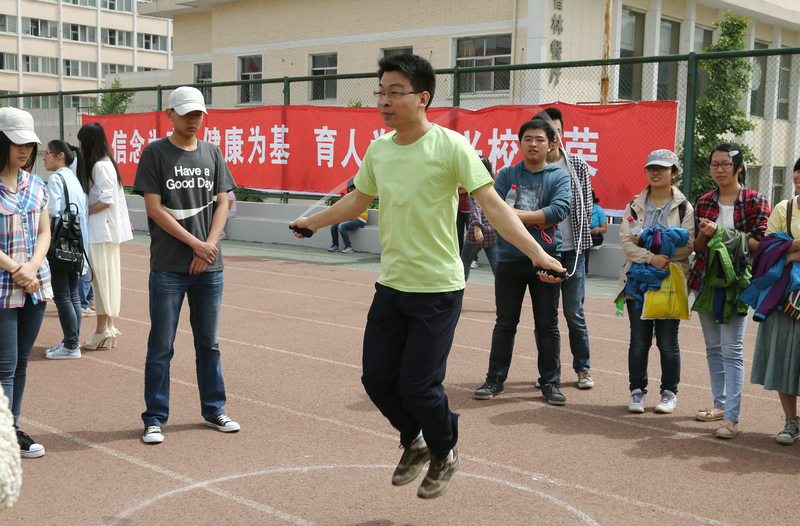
{"type": "Point", "coordinates": [314, 148]}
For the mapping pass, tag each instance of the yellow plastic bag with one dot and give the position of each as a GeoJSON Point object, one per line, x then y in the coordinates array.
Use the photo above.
{"type": "Point", "coordinates": [670, 302]}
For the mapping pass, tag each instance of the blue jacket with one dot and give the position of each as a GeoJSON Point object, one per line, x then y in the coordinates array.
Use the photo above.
{"type": "Point", "coordinates": [547, 189]}
{"type": "Point", "coordinates": [643, 277]}
{"type": "Point", "coordinates": [772, 279]}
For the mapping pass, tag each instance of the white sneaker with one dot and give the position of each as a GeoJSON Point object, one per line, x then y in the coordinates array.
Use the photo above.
{"type": "Point", "coordinates": [636, 405]}
{"type": "Point", "coordinates": [153, 435]}
{"type": "Point", "coordinates": [474, 264]}
{"type": "Point", "coordinates": [51, 350]}
{"type": "Point", "coordinates": [668, 401]}
{"type": "Point", "coordinates": [62, 353]}
{"type": "Point", "coordinates": [223, 423]}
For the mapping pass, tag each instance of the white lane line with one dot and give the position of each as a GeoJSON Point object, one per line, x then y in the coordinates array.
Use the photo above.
{"type": "Point", "coordinates": [169, 473]}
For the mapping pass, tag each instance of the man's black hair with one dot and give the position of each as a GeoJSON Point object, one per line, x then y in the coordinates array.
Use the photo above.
{"type": "Point", "coordinates": [797, 166]}
{"type": "Point", "coordinates": [554, 114]}
{"type": "Point", "coordinates": [538, 124]}
{"type": "Point", "coordinates": [415, 68]}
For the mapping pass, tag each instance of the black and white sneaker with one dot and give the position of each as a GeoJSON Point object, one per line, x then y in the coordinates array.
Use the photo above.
{"type": "Point", "coordinates": [153, 434]}
{"type": "Point", "coordinates": [223, 423]}
{"type": "Point", "coordinates": [27, 447]}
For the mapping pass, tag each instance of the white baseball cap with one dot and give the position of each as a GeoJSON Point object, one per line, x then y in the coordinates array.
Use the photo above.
{"type": "Point", "coordinates": [186, 99]}
{"type": "Point", "coordinates": [18, 126]}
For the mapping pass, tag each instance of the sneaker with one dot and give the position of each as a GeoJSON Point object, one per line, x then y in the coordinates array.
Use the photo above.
{"type": "Point", "coordinates": [667, 403]}
{"type": "Point", "coordinates": [411, 464]}
{"type": "Point", "coordinates": [553, 394]}
{"type": "Point", "coordinates": [538, 384]}
{"type": "Point", "coordinates": [474, 264]}
{"type": "Point", "coordinates": [62, 353]}
{"type": "Point", "coordinates": [710, 415]}
{"type": "Point", "coordinates": [333, 248]}
{"type": "Point", "coordinates": [437, 480]}
{"type": "Point", "coordinates": [585, 380]}
{"type": "Point", "coordinates": [88, 312]}
{"type": "Point", "coordinates": [488, 390]}
{"type": "Point", "coordinates": [223, 235]}
{"type": "Point", "coordinates": [27, 447]}
{"type": "Point", "coordinates": [223, 423]}
{"type": "Point", "coordinates": [51, 350]}
{"type": "Point", "coordinates": [728, 429]}
{"type": "Point", "coordinates": [153, 435]}
{"type": "Point", "coordinates": [636, 405]}
{"type": "Point", "coordinates": [347, 250]}
{"type": "Point", "coordinates": [790, 431]}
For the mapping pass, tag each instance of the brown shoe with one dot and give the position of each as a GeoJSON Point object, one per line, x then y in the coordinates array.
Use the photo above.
{"type": "Point", "coordinates": [437, 480]}
{"type": "Point", "coordinates": [411, 463]}
{"type": "Point", "coordinates": [710, 415]}
{"type": "Point", "coordinates": [728, 429]}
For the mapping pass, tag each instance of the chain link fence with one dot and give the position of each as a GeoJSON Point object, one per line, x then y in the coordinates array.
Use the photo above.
{"type": "Point", "coordinates": [770, 104]}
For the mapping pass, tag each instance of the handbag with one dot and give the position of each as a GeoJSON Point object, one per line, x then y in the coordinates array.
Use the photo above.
{"type": "Point", "coordinates": [792, 306]}
{"type": "Point", "coordinates": [66, 242]}
{"type": "Point", "coordinates": [671, 301]}
{"type": "Point", "coordinates": [597, 240]}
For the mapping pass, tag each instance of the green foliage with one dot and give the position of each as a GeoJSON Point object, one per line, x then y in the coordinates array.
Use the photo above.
{"type": "Point", "coordinates": [355, 103]}
{"type": "Point", "coordinates": [113, 103]}
{"type": "Point", "coordinates": [719, 116]}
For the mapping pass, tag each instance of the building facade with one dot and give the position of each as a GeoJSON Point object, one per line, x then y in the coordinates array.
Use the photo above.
{"type": "Point", "coordinates": [71, 45]}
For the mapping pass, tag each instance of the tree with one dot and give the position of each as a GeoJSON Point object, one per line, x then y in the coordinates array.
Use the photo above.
{"type": "Point", "coordinates": [719, 117]}
{"type": "Point", "coordinates": [113, 103]}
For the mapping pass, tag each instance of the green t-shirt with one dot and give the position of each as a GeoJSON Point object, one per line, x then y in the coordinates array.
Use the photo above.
{"type": "Point", "coordinates": [418, 189]}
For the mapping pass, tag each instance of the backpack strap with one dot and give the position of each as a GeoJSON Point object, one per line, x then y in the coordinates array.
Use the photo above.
{"type": "Point", "coordinates": [789, 206]}
{"type": "Point", "coordinates": [682, 211]}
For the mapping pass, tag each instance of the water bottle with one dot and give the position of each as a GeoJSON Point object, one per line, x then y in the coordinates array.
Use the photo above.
{"type": "Point", "coordinates": [636, 228]}
{"type": "Point", "coordinates": [511, 196]}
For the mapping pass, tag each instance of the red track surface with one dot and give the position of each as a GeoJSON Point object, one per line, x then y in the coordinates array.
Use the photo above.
{"type": "Point", "coordinates": [314, 450]}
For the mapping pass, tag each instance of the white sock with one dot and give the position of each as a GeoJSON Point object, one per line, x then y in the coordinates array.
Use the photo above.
{"type": "Point", "coordinates": [418, 442]}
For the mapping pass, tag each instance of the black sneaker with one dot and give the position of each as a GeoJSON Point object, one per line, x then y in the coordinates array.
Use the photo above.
{"type": "Point", "coordinates": [223, 423]}
{"type": "Point", "coordinates": [489, 390]}
{"type": "Point", "coordinates": [153, 434]}
{"type": "Point", "coordinates": [27, 447]}
{"type": "Point", "coordinates": [553, 394]}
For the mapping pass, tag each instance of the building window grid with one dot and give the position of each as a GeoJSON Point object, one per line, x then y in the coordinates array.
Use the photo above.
{"type": "Point", "coordinates": [117, 5]}
{"type": "Point", "coordinates": [8, 62]}
{"type": "Point", "coordinates": [484, 51]}
{"type": "Point", "coordinates": [758, 83]}
{"type": "Point", "coordinates": [80, 68]}
{"type": "Point", "coordinates": [113, 69]}
{"type": "Point", "coordinates": [8, 24]}
{"type": "Point", "coordinates": [202, 75]}
{"type": "Point", "coordinates": [79, 33]}
{"type": "Point", "coordinates": [37, 27]}
{"type": "Point", "coordinates": [116, 37]}
{"type": "Point", "coordinates": [631, 45]}
{"type": "Point", "coordinates": [778, 174]}
{"type": "Point", "coordinates": [324, 89]}
{"type": "Point", "coordinates": [87, 3]}
{"type": "Point", "coordinates": [151, 42]}
{"type": "Point", "coordinates": [783, 86]}
{"type": "Point", "coordinates": [250, 68]}
{"type": "Point", "coordinates": [394, 51]}
{"type": "Point", "coordinates": [33, 64]}
{"type": "Point", "coordinates": [667, 84]}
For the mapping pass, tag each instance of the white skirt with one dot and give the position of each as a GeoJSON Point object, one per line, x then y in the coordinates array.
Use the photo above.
{"type": "Point", "coordinates": [107, 278]}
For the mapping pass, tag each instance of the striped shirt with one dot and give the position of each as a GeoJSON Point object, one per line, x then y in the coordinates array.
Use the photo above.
{"type": "Point", "coordinates": [19, 226]}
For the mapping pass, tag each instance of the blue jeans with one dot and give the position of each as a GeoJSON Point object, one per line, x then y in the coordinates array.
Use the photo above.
{"type": "Point", "coordinates": [343, 228]}
{"type": "Point", "coordinates": [19, 328]}
{"type": "Point", "coordinates": [512, 280]}
{"type": "Point", "coordinates": [725, 354]}
{"type": "Point", "coordinates": [204, 292]}
{"type": "Point", "coordinates": [85, 290]}
{"type": "Point", "coordinates": [572, 294]}
{"type": "Point", "coordinates": [470, 252]}
{"type": "Point", "coordinates": [666, 332]}
{"type": "Point", "coordinates": [68, 303]}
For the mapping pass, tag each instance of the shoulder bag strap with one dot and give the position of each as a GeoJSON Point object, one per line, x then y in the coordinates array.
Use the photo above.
{"type": "Point", "coordinates": [789, 207]}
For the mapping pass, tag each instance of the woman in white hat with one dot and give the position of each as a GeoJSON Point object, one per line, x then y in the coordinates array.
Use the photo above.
{"type": "Point", "coordinates": [25, 277]}
{"type": "Point", "coordinates": [109, 226]}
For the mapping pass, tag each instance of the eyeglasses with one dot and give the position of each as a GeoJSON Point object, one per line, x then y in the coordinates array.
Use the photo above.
{"type": "Point", "coordinates": [393, 94]}
{"type": "Point", "coordinates": [656, 168]}
{"type": "Point", "coordinates": [44, 153]}
{"type": "Point", "coordinates": [724, 166]}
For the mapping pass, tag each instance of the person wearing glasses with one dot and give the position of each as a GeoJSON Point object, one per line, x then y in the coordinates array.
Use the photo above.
{"type": "Point", "coordinates": [730, 222]}
{"type": "Point", "coordinates": [410, 326]}
{"type": "Point", "coordinates": [662, 204]}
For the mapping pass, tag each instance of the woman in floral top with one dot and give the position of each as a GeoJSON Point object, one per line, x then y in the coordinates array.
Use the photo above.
{"type": "Point", "coordinates": [25, 274]}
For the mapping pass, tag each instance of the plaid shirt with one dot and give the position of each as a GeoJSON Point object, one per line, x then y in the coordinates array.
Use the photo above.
{"type": "Point", "coordinates": [19, 226]}
{"type": "Point", "coordinates": [477, 218]}
{"type": "Point", "coordinates": [750, 214]}
{"type": "Point", "coordinates": [579, 169]}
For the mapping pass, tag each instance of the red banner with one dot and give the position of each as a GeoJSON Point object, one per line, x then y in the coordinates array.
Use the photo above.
{"type": "Point", "coordinates": [314, 149]}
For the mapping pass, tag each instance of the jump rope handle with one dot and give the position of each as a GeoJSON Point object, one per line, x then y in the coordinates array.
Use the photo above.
{"type": "Point", "coordinates": [551, 272]}
{"type": "Point", "coordinates": [305, 232]}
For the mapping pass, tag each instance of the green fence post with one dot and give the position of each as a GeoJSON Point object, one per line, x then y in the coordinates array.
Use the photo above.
{"type": "Point", "coordinates": [61, 115]}
{"type": "Point", "coordinates": [286, 92]}
{"type": "Point", "coordinates": [688, 140]}
{"type": "Point", "coordinates": [456, 92]}
{"type": "Point", "coordinates": [158, 94]}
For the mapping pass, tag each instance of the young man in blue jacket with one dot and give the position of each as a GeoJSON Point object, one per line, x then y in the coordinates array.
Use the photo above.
{"type": "Point", "coordinates": [542, 201]}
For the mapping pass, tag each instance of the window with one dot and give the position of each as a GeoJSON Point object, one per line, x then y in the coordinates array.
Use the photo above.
{"type": "Point", "coordinates": [777, 185]}
{"type": "Point", "coordinates": [113, 69]}
{"type": "Point", "coordinates": [90, 3]}
{"type": "Point", "coordinates": [40, 102]}
{"type": "Point", "coordinates": [79, 33]}
{"type": "Point", "coordinates": [323, 65]}
{"type": "Point", "coordinates": [79, 68]}
{"type": "Point", "coordinates": [75, 101]}
{"type": "Point", "coordinates": [31, 64]}
{"type": "Point", "coordinates": [631, 45]}
{"type": "Point", "coordinates": [202, 75]}
{"type": "Point", "coordinates": [8, 61]}
{"type": "Point", "coordinates": [115, 37]}
{"type": "Point", "coordinates": [392, 52]}
{"type": "Point", "coordinates": [39, 28]}
{"type": "Point", "coordinates": [483, 51]}
{"type": "Point", "coordinates": [702, 39]}
{"type": "Point", "coordinates": [10, 102]}
{"type": "Point", "coordinates": [758, 83]}
{"type": "Point", "coordinates": [783, 87]}
{"type": "Point", "coordinates": [117, 5]}
{"type": "Point", "coordinates": [667, 88]}
{"type": "Point", "coordinates": [250, 69]}
{"type": "Point", "coordinates": [8, 24]}
{"type": "Point", "coordinates": [154, 42]}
